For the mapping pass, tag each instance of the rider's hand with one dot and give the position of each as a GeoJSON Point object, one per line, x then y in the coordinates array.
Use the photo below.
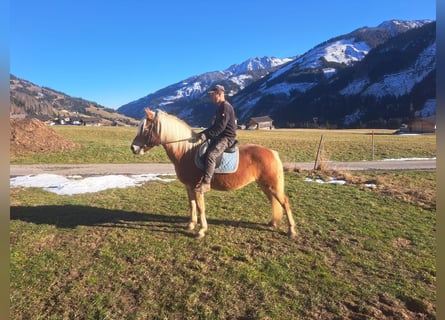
{"type": "Point", "coordinates": [198, 137]}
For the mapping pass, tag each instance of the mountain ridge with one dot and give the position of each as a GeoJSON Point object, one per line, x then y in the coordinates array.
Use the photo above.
{"type": "Point", "coordinates": [29, 99]}
{"type": "Point", "coordinates": [280, 86]}
{"type": "Point", "coordinates": [172, 98]}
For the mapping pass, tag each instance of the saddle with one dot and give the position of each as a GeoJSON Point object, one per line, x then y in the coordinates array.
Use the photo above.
{"type": "Point", "coordinates": [227, 162]}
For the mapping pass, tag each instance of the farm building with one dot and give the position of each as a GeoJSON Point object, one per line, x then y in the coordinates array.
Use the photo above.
{"type": "Point", "coordinates": [257, 123]}
{"type": "Point", "coordinates": [91, 121]}
{"type": "Point", "coordinates": [421, 125]}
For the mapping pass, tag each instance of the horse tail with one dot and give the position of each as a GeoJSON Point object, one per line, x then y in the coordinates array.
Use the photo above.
{"type": "Point", "coordinates": [281, 201]}
{"type": "Point", "coordinates": [279, 173]}
{"type": "Point", "coordinates": [272, 184]}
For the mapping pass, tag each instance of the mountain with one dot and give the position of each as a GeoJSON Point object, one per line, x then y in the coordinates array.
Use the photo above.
{"type": "Point", "coordinates": [29, 99]}
{"type": "Point", "coordinates": [320, 66]}
{"type": "Point", "coordinates": [332, 82]}
{"type": "Point", "coordinates": [383, 89]}
{"type": "Point", "coordinates": [188, 99]}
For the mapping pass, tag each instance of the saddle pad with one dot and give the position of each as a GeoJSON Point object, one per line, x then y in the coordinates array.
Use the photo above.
{"type": "Point", "coordinates": [228, 163]}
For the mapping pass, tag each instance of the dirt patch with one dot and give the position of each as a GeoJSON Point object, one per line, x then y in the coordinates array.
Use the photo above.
{"type": "Point", "coordinates": [33, 136]}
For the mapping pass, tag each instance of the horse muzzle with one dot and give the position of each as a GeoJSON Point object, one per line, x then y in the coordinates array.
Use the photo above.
{"type": "Point", "coordinates": [137, 149]}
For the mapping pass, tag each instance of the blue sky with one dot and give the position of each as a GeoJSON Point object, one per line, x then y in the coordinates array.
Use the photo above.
{"type": "Point", "coordinates": [114, 52]}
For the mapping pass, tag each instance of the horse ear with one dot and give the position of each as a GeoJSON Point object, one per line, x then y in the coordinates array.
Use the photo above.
{"type": "Point", "coordinates": [150, 114]}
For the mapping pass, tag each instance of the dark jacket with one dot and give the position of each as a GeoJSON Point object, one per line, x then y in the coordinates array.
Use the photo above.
{"type": "Point", "coordinates": [224, 125]}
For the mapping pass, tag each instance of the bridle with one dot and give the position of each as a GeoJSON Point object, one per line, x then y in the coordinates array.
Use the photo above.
{"type": "Point", "coordinates": [148, 143]}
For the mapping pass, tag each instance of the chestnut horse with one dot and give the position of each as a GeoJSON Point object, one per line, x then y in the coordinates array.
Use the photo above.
{"type": "Point", "coordinates": [256, 163]}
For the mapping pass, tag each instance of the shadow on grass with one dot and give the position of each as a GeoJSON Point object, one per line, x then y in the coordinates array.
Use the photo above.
{"type": "Point", "coordinates": [71, 216]}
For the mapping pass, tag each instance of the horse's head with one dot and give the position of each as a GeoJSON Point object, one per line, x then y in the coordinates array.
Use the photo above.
{"type": "Point", "coordinates": [147, 136]}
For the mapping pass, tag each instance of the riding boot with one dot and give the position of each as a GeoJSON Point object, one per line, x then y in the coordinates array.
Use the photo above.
{"type": "Point", "coordinates": [214, 150]}
{"type": "Point", "coordinates": [205, 184]}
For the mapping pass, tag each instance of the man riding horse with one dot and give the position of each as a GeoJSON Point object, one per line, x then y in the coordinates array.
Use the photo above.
{"type": "Point", "coordinates": [221, 133]}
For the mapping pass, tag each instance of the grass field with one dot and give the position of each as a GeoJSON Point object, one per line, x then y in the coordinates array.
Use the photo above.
{"type": "Point", "coordinates": [361, 253]}
{"type": "Point", "coordinates": [112, 145]}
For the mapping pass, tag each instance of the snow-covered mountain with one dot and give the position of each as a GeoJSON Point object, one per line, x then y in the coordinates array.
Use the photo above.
{"type": "Point", "coordinates": [390, 85]}
{"type": "Point", "coordinates": [319, 65]}
{"type": "Point", "coordinates": [329, 82]}
{"type": "Point", "coordinates": [180, 98]}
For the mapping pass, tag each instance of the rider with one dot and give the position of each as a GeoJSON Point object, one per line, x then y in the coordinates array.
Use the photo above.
{"type": "Point", "coordinates": [221, 133]}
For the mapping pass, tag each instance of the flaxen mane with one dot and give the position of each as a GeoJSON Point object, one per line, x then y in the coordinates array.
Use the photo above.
{"type": "Point", "coordinates": [170, 128]}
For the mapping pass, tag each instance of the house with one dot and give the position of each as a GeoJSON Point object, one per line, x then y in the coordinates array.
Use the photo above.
{"type": "Point", "coordinates": [91, 121]}
{"type": "Point", "coordinates": [420, 125]}
{"type": "Point", "coordinates": [264, 122]}
{"type": "Point", "coordinates": [76, 121]}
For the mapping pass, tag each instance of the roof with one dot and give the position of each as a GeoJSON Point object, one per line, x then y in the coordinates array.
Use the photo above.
{"type": "Point", "coordinates": [431, 119]}
{"type": "Point", "coordinates": [91, 119]}
{"type": "Point", "coordinates": [261, 119]}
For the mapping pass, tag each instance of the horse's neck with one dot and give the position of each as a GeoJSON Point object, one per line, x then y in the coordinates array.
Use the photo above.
{"type": "Point", "coordinates": [176, 152]}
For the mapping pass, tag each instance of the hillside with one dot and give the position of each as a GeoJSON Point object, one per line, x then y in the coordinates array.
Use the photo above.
{"type": "Point", "coordinates": [351, 80]}
{"type": "Point", "coordinates": [332, 84]}
{"type": "Point", "coordinates": [188, 99]}
{"type": "Point", "coordinates": [29, 99]}
{"type": "Point", "coordinates": [391, 85]}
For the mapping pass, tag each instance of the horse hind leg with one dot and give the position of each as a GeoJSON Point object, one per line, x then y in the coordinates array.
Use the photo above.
{"type": "Point", "coordinates": [290, 219]}
{"type": "Point", "coordinates": [277, 208]}
{"type": "Point", "coordinates": [279, 202]}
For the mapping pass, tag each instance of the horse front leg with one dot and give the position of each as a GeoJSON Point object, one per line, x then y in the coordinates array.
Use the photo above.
{"type": "Point", "coordinates": [192, 205]}
{"type": "Point", "coordinates": [202, 214]}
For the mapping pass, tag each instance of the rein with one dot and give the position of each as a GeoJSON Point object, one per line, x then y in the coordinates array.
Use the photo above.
{"type": "Point", "coordinates": [180, 140]}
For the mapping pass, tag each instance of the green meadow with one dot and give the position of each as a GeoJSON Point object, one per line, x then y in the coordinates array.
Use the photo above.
{"type": "Point", "coordinates": [112, 145]}
{"type": "Point", "coordinates": [361, 252]}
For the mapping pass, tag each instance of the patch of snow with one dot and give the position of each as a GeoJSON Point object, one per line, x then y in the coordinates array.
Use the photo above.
{"type": "Point", "coordinates": [331, 180]}
{"type": "Point", "coordinates": [286, 88]}
{"type": "Point", "coordinates": [76, 184]}
{"type": "Point", "coordinates": [162, 104]}
{"type": "Point", "coordinates": [257, 64]}
{"type": "Point", "coordinates": [394, 25]}
{"type": "Point", "coordinates": [352, 118]}
{"type": "Point", "coordinates": [346, 51]}
{"type": "Point", "coordinates": [240, 80]}
{"type": "Point", "coordinates": [329, 72]}
{"type": "Point", "coordinates": [354, 87]}
{"type": "Point", "coordinates": [284, 69]}
{"type": "Point", "coordinates": [429, 109]}
{"type": "Point", "coordinates": [401, 83]}
{"type": "Point", "coordinates": [408, 159]}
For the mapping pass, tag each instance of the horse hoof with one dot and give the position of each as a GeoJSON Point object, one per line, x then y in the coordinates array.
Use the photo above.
{"type": "Point", "coordinates": [200, 234]}
{"type": "Point", "coordinates": [273, 224]}
{"type": "Point", "coordinates": [292, 234]}
{"type": "Point", "coordinates": [190, 226]}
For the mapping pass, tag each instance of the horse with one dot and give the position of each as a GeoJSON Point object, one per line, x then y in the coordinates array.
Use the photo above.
{"type": "Point", "coordinates": [256, 163]}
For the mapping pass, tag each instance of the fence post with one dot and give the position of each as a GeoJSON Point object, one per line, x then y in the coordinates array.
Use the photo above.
{"type": "Point", "coordinates": [318, 153]}
{"type": "Point", "coordinates": [372, 139]}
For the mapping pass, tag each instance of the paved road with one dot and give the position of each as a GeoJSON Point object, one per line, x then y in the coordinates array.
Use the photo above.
{"type": "Point", "coordinates": [167, 168]}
